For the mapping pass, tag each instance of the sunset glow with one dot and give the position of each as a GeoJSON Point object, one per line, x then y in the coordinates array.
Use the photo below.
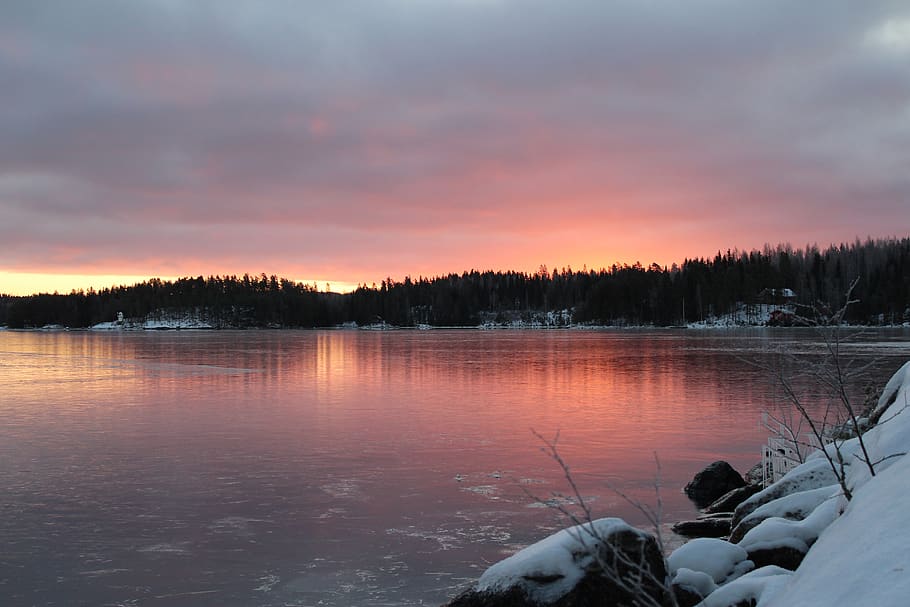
{"type": "Point", "coordinates": [346, 144]}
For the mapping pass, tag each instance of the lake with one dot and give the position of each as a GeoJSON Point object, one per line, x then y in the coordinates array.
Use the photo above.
{"type": "Point", "coordinates": [274, 468]}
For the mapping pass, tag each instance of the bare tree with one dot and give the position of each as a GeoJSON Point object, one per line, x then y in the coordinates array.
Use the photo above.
{"type": "Point", "coordinates": [634, 576]}
{"type": "Point", "coordinates": [832, 374]}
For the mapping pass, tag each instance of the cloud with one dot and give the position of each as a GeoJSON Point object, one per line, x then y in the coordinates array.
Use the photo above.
{"type": "Point", "coordinates": [423, 137]}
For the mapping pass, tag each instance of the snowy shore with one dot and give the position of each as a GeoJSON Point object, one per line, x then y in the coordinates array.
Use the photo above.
{"type": "Point", "coordinates": [800, 542]}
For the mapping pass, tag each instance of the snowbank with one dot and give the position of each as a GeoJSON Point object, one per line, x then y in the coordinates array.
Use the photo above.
{"type": "Point", "coordinates": [862, 557]}
{"type": "Point", "coordinates": [849, 552]}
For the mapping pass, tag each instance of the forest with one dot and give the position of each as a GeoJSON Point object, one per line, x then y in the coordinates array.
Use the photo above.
{"type": "Point", "coordinates": [621, 295]}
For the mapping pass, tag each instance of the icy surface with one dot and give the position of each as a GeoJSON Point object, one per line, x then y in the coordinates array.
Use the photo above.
{"type": "Point", "coordinates": [717, 558]}
{"type": "Point", "coordinates": [562, 558]}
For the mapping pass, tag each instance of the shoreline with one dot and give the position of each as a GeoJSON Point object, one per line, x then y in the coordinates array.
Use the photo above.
{"type": "Point", "coordinates": [695, 327]}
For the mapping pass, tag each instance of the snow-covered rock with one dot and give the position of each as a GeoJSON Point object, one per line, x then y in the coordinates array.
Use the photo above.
{"type": "Point", "coordinates": [794, 507]}
{"type": "Point", "coordinates": [567, 568]}
{"type": "Point", "coordinates": [719, 559]}
{"type": "Point", "coordinates": [691, 587]}
{"type": "Point", "coordinates": [812, 474]}
{"type": "Point", "coordinates": [844, 552]}
{"type": "Point", "coordinates": [783, 542]}
{"type": "Point", "coordinates": [749, 588]}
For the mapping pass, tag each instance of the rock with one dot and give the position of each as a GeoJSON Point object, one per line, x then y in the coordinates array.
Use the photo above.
{"type": "Point", "coordinates": [705, 527]}
{"type": "Point", "coordinates": [712, 482]}
{"type": "Point", "coordinates": [809, 475]}
{"type": "Point", "coordinates": [731, 499]}
{"type": "Point", "coordinates": [794, 507]}
{"type": "Point", "coordinates": [785, 557]}
{"type": "Point", "coordinates": [567, 570]}
{"type": "Point", "coordinates": [721, 561]}
{"type": "Point", "coordinates": [783, 542]}
{"type": "Point", "coordinates": [686, 596]}
{"type": "Point", "coordinates": [748, 590]}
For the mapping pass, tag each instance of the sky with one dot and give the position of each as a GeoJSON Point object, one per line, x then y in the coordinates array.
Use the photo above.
{"type": "Point", "coordinates": [346, 142]}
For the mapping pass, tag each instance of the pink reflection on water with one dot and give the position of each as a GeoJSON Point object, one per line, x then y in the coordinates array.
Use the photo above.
{"type": "Point", "coordinates": [322, 457]}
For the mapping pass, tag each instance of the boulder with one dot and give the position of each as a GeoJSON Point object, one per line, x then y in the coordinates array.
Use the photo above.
{"type": "Point", "coordinates": [686, 595]}
{"type": "Point", "coordinates": [794, 507]}
{"type": "Point", "coordinates": [748, 590]}
{"type": "Point", "coordinates": [713, 526]}
{"type": "Point", "coordinates": [712, 482]}
{"type": "Point", "coordinates": [783, 542]}
{"type": "Point", "coordinates": [812, 474]}
{"type": "Point", "coordinates": [785, 557]}
{"type": "Point", "coordinates": [721, 561]}
{"type": "Point", "coordinates": [731, 499]}
{"type": "Point", "coordinates": [576, 567]}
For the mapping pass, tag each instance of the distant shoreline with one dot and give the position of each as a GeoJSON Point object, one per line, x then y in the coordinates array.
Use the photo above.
{"type": "Point", "coordinates": [696, 327]}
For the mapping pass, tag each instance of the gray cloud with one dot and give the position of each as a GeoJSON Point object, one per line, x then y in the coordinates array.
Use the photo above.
{"type": "Point", "coordinates": [344, 122]}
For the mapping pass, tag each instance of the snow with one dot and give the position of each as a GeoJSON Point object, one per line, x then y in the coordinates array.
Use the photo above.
{"type": "Point", "coordinates": [745, 315]}
{"type": "Point", "coordinates": [106, 326]}
{"type": "Point", "coordinates": [780, 532]}
{"type": "Point", "coordinates": [794, 506]}
{"type": "Point", "coordinates": [814, 473]}
{"type": "Point", "coordinates": [856, 551]}
{"type": "Point", "coordinates": [862, 557]}
{"type": "Point", "coordinates": [699, 581]}
{"type": "Point", "coordinates": [161, 320]}
{"type": "Point", "coordinates": [892, 388]}
{"type": "Point", "coordinates": [717, 558]}
{"type": "Point", "coordinates": [751, 586]}
{"type": "Point", "coordinates": [561, 559]}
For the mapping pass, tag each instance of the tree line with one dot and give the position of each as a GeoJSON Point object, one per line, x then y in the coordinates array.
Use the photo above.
{"type": "Point", "coordinates": [698, 289]}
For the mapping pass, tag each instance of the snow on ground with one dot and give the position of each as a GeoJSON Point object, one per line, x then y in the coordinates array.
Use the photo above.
{"type": "Point", "coordinates": [745, 315]}
{"type": "Point", "coordinates": [719, 559]}
{"type": "Point", "coordinates": [814, 473]}
{"type": "Point", "coordinates": [161, 320]}
{"type": "Point", "coordinates": [862, 558]}
{"type": "Point", "coordinates": [778, 532]}
{"type": "Point", "coordinates": [699, 581]}
{"type": "Point", "coordinates": [561, 559]}
{"type": "Point", "coordinates": [750, 587]}
{"type": "Point", "coordinates": [856, 551]}
{"type": "Point", "coordinates": [795, 506]}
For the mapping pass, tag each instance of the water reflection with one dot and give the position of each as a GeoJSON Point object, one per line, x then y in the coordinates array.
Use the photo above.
{"type": "Point", "coordinates": [280, 467]}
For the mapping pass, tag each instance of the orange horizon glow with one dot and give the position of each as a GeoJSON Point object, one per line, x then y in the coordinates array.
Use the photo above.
{"type": "Point", "coordinates": [344, 277]}
{"type": "Point", "coordinates": [34, 283]}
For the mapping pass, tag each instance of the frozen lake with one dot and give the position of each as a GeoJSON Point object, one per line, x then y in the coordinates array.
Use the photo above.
{"type": "Point", "coordinates": [277, 468]}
